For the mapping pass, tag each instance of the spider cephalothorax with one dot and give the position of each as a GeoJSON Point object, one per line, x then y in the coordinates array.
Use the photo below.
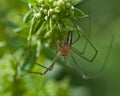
{"type": "Point", "coordinates": [63, 48]}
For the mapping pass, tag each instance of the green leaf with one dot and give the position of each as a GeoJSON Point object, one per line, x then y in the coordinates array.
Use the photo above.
{"type": "Point", "coordinates": [38, 26]}
{"type": "Point", "coordinates": [35, 26]}
{"type": "Point", "coordinates": [78, 13]}
{"type": "Point", "coordinates": [28, 16]}
{"type": "Point", "coordinates": [28, 58]}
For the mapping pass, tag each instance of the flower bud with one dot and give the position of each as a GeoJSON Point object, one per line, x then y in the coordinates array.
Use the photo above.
{"type": "Point", "coordinates": [68, 5]}
{"type": "Point", "coordinates": [50, 11]}
{"type": "Point", "coordinates": [60, 3]}
{"type": "Point", "coordinates": [37, 15]}
{"type": "Point", "coordinates": [46, 18]}
{"type": "Point", "coordinates": [57, 9]}
{"type": "Point", "coordinates": [45, 11]}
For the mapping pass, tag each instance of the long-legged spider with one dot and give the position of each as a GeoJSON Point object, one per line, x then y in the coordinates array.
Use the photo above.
{"type": "Point", "coordinates": [65, 48]}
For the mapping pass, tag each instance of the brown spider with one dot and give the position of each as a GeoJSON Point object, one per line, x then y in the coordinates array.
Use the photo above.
{"type": "Point", "coordinates": [66, 47]}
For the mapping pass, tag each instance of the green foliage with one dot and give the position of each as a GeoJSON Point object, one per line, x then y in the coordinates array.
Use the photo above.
{"type": "Point", "coordinates": [12, 83]}
{"type": "Point", "coordinates": [16, 55]}
{"type": "Point", "coordinates": [47, 19]}
{"type": "Point", "coordinates": [19, 56]}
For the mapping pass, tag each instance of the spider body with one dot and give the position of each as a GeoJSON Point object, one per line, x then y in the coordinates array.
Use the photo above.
{"type": "Point", "coordinates": [64, 48]}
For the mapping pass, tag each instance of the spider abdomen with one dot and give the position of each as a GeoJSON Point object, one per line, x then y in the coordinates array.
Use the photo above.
{"type": "Point", "coordinates": [65, 49]}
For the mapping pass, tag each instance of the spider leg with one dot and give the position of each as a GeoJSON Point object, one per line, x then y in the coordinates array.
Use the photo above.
{"type": "Point", "coordinates": [105, 61]}
{"type": "Point", "coordinates": [41, 73]}
{"type": "Point", "coordinates": [78, 69]}
{"type": "Point", "coordinates": [77, 33]}
{"type": "Point", "coordinates": [88, 41]}
{"type": "Point", "coordinates": [81, 55]}
{"type": "Point", "coordinates": [101, 70]}
{"type": "Point", "coordinates": [89, 34]}
{"type": "Point", "coordinates": [66, 63]}
{"type": "Point", "coordinates": [88, 37]}
{"type": "Point", "coordinates": [24, 59]}
{"type": "Point", "coordinates": [46, 68]}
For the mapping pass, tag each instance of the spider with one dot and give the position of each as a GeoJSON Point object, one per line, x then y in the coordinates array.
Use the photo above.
{"type": "Point", "coordinates": [65, 48]}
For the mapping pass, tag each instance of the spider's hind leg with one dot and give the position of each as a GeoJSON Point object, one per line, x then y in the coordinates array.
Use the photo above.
{"type": "Point", "coordinates": [84, 76]}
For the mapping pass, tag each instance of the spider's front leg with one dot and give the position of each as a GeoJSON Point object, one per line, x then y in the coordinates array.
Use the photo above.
{"type": "Point", "coordinates": [46, 68]}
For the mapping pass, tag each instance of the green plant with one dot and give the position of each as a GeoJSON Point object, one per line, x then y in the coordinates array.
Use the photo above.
{"type": "Point", "coordinates": [47, 21]}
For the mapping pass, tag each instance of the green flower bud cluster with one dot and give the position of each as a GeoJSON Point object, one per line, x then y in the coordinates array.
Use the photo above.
{"type": "Point", "coordinates": [53, 9]}
{"type": "Point", "coordinates": [50, 20]}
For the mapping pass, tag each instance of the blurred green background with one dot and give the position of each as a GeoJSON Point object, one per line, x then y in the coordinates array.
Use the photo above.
{"type": "Point", "coordinates": [62, 81]}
